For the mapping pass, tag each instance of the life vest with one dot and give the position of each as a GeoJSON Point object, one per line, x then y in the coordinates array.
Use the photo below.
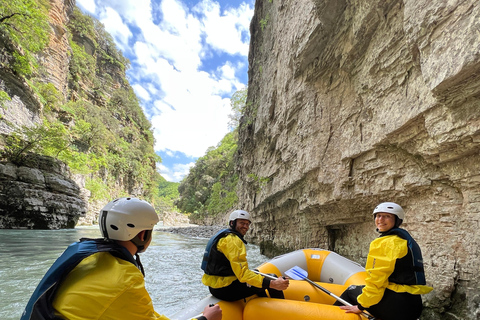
{"type": "Point", "coordinates": [214, 262]}
{"type": "Point", "coordinates": [39, 306]}
{"type": "Point", "coordinates": [409, 269]}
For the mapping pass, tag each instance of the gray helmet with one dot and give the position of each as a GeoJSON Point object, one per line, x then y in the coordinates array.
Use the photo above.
{"type": "Point", "coordinates": [390, 207]}
{"type": "Point", "coordinates": [122, 219]}
{"type": "Point", "coordinates": [239, 214]}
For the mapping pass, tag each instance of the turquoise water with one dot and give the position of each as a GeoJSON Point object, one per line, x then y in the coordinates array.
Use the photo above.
{"type": "Point", "coordinates": [172, 266]}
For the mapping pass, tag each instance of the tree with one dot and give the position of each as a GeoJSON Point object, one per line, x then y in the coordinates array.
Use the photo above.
{"type": "Point", "coordinates": [25, 24]}
{"type": "Point", "coordinates": [238, 103]}
{"type": "Point", "coordinates": [210, 187]}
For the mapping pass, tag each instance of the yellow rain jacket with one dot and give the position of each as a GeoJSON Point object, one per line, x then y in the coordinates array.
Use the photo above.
{"type": "Point", "coordinates": [234, 249]}
{"type": "Point", "coordinates": [383, 254]}
{"type": "Point", "coordinates": [104, 287]}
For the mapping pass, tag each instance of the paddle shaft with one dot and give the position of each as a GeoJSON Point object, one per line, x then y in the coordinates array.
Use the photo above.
{"type": "Point", "coordinates": [265, 275]}
{"type": "Point", "coordinates": [328, 292]}
{"type": "Point", "coordinates": [336, 297]}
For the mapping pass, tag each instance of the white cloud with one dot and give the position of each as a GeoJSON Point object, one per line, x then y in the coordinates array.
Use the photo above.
{"type": "Point", "coordinates": [175, 174]}
{"type": "Point", "coordinates": [141, 92]}
{"type": "Point", "coordinates": [114, 25]}
{"type": "Point", "coordinates": [225, 30]}
{"type": "Point", "coordinates": [167, 43]}
{"type": "Point", "coordinates": [87, 5]}
{"type": "Point", "coordinates": [181, 170]}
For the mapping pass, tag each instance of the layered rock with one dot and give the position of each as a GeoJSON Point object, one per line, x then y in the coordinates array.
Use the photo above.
{"type": "Point", "coordinates": [39, 194]}
{"type": "Point", "coordinates": [352, 103]}
{"type": "Point", "coordinates": [56, 57]}
{"type": "Point", "coordinates": [25, 109]}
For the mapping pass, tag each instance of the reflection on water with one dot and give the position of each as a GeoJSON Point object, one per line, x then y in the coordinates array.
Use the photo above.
{"type": "Point", "coordinates": [172, 266]}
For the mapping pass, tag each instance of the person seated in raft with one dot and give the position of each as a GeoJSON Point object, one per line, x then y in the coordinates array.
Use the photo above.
{"type": "Point", "coordinates": [395, 275]}
{"type": "Point", "coordinates": [99, 278]}
{"type": "Point", "coordinates": [226, 269]}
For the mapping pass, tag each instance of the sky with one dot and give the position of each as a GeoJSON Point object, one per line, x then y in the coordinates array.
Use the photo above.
{"type": "Point", "coordinates": [187, 59]}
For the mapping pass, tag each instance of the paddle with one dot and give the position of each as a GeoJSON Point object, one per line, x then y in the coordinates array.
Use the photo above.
{"type": "Point", "coordinates": [264, 274]}
{"type": "Point", "coordinates": [297, 273]}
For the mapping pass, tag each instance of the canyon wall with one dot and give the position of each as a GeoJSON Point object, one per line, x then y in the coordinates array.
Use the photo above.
{"type": "Point", "coordinates": [353, 103]}
{"type": "Point", "coordinates": [40, 193]}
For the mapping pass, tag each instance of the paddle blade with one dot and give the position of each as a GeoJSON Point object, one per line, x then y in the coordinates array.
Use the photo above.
{"type": "Point", "coordinates": [297, 273]}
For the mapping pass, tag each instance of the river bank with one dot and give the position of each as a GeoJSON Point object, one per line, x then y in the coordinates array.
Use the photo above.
{"type": "Point", "coordinates": [192, 230]}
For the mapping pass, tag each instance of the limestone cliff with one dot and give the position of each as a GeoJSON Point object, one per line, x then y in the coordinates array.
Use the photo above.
{"type": "Point", "coordinates": [352, 103]}
{"type": "Point", "coordinates": [40, 193]}
{"type": "Point", "coordinates": [75, 94]}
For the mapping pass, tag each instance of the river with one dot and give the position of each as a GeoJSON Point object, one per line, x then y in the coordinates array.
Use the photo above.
{"type": "Point", "coordinates": [172, 266]}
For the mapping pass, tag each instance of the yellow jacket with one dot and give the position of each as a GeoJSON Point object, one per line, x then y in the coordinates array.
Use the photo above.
{"type": "Point", "coordinates": [234, 249]}
{"type": "Point", "coordinates": [104, 287]}
{"type": "Point", "coordinates": [384, 252]}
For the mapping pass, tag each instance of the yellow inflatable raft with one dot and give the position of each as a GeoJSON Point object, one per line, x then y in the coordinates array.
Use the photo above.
{"type": "Point", "coordinates": [303, 301]}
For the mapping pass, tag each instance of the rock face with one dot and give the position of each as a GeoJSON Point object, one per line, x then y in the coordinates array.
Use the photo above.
{"type": "Point", "coordinates": [39, 194]}
{"type": "Point", "coordinates": [352, 103]}
{"type": "Point", "coordinates": [25, 109]}
{"type": "Point", "coordinates": [56, 57]}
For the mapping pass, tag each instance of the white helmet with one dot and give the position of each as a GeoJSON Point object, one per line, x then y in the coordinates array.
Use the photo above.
{"type": "Point", "coordinates": [122, 219]}
{"type": "Point", "coordinates": [390, 207]}
{"type": "Point", "coordinates": [239, 214]}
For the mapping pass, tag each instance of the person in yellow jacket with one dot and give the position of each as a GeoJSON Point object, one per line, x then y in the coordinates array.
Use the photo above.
{"type": "Point", "coordinates": [99, 278]}
{"type": "Point", "coordinates": [227, 274]}
{"type": "Point", "coordinates": [395, 274]}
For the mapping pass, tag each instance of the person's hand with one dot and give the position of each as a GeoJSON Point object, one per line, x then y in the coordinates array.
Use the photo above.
{"type": "Point", "coordinates": [279, 283]}
{"type": "Point", "coordinates": [351, 309]}
{"type": "Point", "coordinates": [212, 312]}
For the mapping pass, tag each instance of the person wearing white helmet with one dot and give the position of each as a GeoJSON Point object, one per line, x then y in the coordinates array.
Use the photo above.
{"type": "Point", "coordinates": [99, 278]}
{"type": "Point", "coordinates": [395, 274]}
{"type": "Point", "coordinates": [227, 274]}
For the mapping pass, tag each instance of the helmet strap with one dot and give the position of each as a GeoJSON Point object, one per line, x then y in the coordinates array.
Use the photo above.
{"type": "Point", "coordinates": [139, 264]}
{"type": "Point", "coordinates": [103, 225]}
{"type": "Point", "coordinates": [398, 221]}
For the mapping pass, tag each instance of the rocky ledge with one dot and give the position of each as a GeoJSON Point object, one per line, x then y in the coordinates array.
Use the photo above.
{"type": "Point", "coordinates": [39, 194]}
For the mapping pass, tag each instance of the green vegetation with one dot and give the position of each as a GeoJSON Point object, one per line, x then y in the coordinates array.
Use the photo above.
{"type": "Point", "coordinates": [237, 102]}
{"type": "Point", "coordinates": [167, 194]}
{"type": "Point", "coordinates": [264, 22]}
{"type": "Point", "coordinates": [258, 182]}
{"type": "Point", "coordinates": [210, 187]}
{"type": "Point", "coordinates": [4, 97]}
{"type": "Point", "coordinates": [24, 27]}
{"type": "Point", "coordinates": [98, 129]}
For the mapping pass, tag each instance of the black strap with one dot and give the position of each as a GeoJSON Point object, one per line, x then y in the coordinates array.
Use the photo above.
{"type": "Point", "coordinates": [139, 264]}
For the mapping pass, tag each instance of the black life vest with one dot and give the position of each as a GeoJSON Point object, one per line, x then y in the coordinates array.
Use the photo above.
{"type": "Point", "coordinates": [214, 262]}
{"type": "Point", "coordinates": [409, 269]}
{"type": "Point", "coordinates": [39, 306]}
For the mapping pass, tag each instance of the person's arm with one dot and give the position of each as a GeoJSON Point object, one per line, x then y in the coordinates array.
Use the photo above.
{"type": "Point", "coordinates": [380, 264]}
{"type": "Point", "coordinates": [211, 312]}
{"type": "Point", "coordinates": [234, 249]}
{"type": "Point", "coordinates": [279, 284]}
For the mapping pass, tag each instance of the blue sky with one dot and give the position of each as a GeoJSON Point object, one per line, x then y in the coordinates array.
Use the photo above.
{"type": "Point", "coordinates": [187, 59]}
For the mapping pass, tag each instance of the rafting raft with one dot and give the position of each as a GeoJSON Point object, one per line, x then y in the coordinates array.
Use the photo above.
{"type": "Point", "coordinates": [303, 301]}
